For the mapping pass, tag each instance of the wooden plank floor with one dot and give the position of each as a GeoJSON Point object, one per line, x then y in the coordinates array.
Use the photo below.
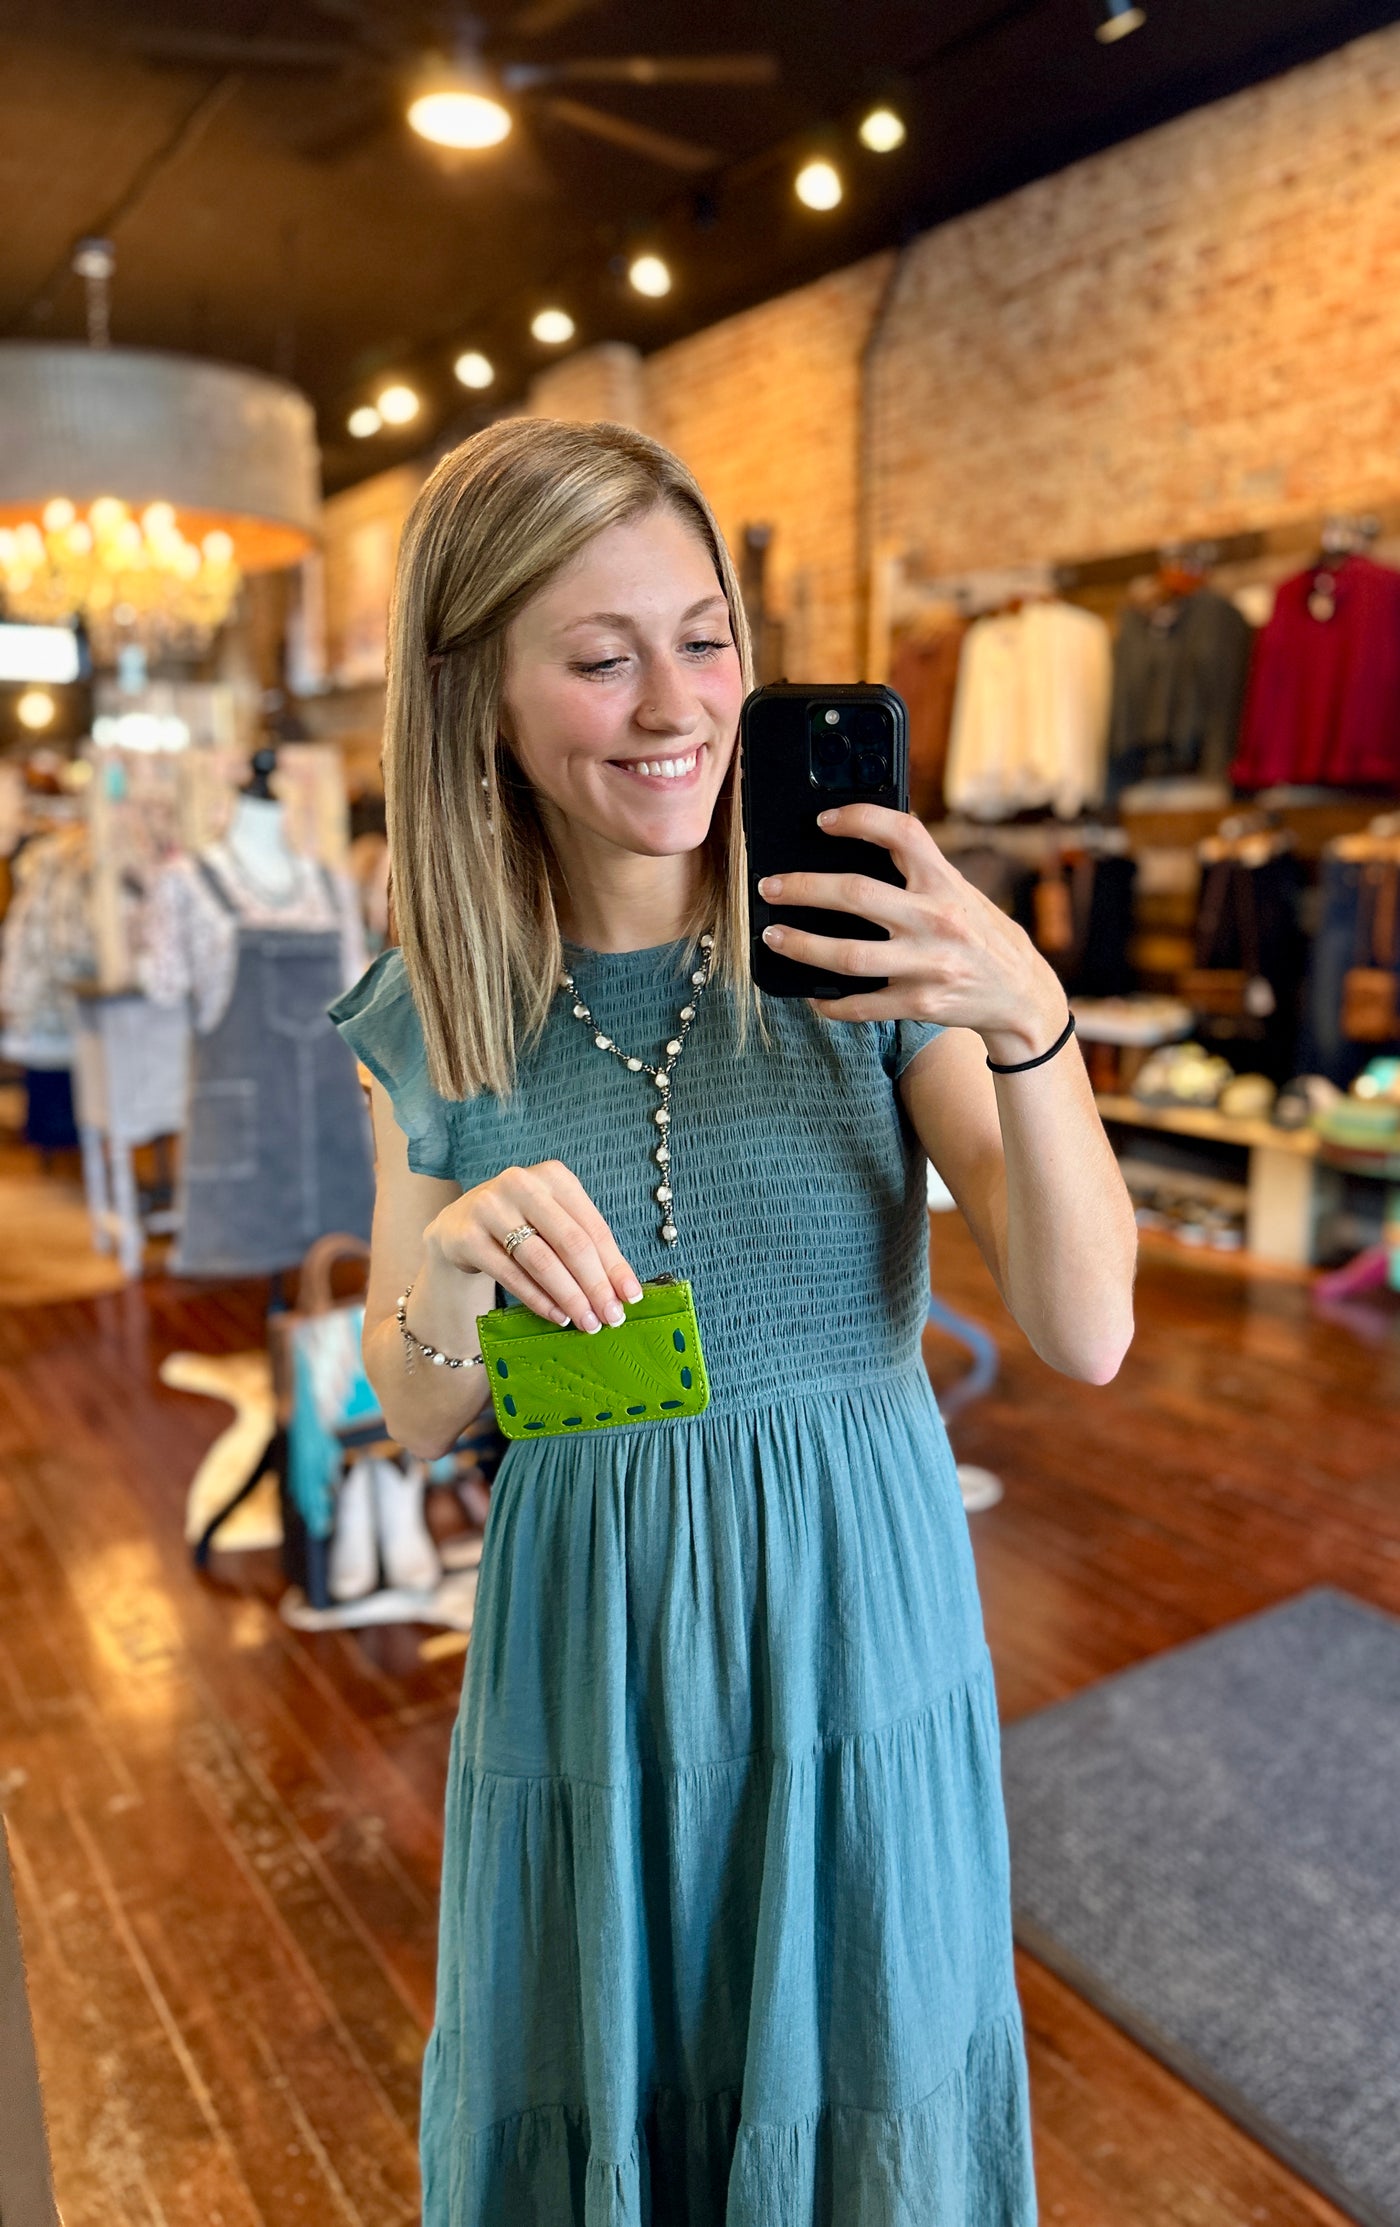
{"type": "Point", "coordinates": [227, 1835]}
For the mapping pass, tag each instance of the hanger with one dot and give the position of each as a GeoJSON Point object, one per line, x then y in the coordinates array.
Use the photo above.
{"type": "Point", "coordinates": [1250, 836]}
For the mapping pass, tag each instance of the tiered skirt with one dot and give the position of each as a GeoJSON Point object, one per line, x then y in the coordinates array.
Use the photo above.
{"type": "Point", "coordinates": [725, 1935]}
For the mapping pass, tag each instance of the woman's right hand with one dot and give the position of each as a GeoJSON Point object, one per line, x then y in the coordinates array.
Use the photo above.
{"type": "Point", "coordinates": [572, 1271]}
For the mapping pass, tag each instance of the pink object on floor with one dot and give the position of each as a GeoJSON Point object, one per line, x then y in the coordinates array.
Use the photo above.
{"type": "Point", "coordinates": [1365, 1271]}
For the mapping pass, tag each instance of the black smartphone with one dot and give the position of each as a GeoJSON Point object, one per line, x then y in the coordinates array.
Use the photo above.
{"type": "Point", "coordinates": [803, 750]}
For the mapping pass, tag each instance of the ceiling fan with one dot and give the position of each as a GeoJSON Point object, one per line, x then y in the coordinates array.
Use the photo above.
{"type": "Point", "coordinates": [451, 87]}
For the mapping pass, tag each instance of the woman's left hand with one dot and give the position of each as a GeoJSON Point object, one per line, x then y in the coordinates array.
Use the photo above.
{"type": "Point", "coordinates": [952, 955]}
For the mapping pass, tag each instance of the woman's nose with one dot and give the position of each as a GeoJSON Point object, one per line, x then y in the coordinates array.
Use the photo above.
{"type": "Point", "coordinates": [668, 700]}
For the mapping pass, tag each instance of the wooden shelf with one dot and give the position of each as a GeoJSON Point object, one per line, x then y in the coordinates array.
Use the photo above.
{"type": "Point", "coordinates": [1204, 1121]}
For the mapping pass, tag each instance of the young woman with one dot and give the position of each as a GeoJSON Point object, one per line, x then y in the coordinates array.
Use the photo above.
{"type": "Point", "coordinates": [725, 1920]}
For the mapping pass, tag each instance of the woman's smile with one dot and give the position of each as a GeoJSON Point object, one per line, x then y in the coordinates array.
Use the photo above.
{"type": "Point", "coordinates": [671, 772]}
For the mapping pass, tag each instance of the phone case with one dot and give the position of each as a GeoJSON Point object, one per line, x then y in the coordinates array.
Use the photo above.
{"type": "Point", "coordinates": [548, 1382]}
{"type": "Point", "coordinates": [781, 799]}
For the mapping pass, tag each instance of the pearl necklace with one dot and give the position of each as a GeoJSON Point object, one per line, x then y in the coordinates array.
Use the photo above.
{"type": "Point", "coordinates": [660, 1076]}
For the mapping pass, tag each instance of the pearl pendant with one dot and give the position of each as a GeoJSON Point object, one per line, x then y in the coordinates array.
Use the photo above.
{"type": "Point", "coordinates": [669, 1232]}
{"type": "Point", "coordinates": [662, 1156]}
{"type": "Point", "coordinates": [661, 1117]}
{"type": "Point", "coordinates": [687, 1012]}
{"type": "Point", "coordinates": [604, 1043]}
{"type": "Point", "coordinates": [663, 1080]}
{"type": "Point", "coordinates": [698, 980]}
{"type": "Point", "coordinates": [674, 1046]}
{"type": "Point", "coordinates": [580, 1012]}
{"type": "Point", "coordinates": [707, 943]}
{"type": "Point", "coordinates": [663, 1192]}
{"type": "Point", "coordinates": [635, 1065]}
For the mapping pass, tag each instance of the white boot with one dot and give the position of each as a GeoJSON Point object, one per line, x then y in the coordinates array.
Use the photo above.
{"type": "Point", "coordinates": [354, 1557]}
{"type": "Point", "coordinates": [405, 1542]}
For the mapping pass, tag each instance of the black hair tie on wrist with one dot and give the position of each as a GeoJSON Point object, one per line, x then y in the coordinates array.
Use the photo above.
{"type": "Point", "coordinates": [1018, 1066]}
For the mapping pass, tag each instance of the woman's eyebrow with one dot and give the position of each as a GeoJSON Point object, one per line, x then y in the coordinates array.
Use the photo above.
{"type": "Point", "coordinates": [625, 618]}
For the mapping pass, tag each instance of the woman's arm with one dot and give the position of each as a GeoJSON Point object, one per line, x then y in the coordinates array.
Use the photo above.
{"type": "Point", "coordinates": [1025, 1156]}
{"type": "Point", "coordinates": [428, 1411]}
{"type": "Point", "coordinates": [448, 1244]}
{"type": "Point", "coordinates": [1028, 1162]}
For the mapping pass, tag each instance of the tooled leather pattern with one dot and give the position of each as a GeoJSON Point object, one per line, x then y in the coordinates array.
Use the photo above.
{"type": "Point", "coordinates": [553, 1380]}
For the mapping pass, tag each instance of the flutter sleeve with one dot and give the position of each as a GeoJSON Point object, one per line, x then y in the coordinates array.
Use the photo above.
{"type": "Point", "coordinates": [379, 1021]}
{"type": "Point", "coordinates": [901, 1040]}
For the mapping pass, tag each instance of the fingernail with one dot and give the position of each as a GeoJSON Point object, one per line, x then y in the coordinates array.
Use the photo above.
{"type": "Point", "coordinates": [634, 1292]}
{"type": "Point", "coordinates": [771, 885]}
{"type": "Point", "coordinates": [590, 1322]}
{"type": "Point", "coordinates": [772, 935]}
{"type": "Point", "coordinates": [823, 817]}
{"type": "Point", "coordinates": [560, 1317]}
{"type": "Point", "coordinates": [616, 1314]}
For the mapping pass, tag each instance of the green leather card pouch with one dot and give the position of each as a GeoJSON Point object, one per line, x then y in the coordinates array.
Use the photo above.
{"type": "Point", "coordinates": [548, 1382]}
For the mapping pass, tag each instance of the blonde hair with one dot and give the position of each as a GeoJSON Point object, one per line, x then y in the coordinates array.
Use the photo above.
{"type": "Point", "coordinates": [470, 860]}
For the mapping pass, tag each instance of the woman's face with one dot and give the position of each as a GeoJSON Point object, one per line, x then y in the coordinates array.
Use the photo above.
{"type": "Point", "coordinates": [622, 688]}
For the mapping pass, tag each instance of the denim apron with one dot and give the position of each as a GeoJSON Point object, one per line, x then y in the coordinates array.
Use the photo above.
{"type": "Point", "coordinates": [277, 1147]}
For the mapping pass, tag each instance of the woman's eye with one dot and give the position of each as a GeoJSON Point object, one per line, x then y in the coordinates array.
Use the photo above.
{"type": "Point", "coordinates": [708, 648]}
{"type": "Point", "coordinates": [604, 665]}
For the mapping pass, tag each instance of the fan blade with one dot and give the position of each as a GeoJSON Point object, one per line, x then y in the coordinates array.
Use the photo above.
{"type": "Point", "coordinates": [255, 53]}
{"type": "Point", "coordinates": [649, 69]}
{"type": "Point", "coordinates": [347, 133]}
{"type": "Point", "coordinates": [637, 139]}
{"type": "Point", "coordinates": [543, 16]}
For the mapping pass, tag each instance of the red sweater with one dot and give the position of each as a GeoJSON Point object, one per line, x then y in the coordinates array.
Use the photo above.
{"type": "Point", "coordinates": [1324, 694]}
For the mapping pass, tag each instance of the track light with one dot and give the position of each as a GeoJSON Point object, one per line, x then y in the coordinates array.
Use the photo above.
{"type": "Point", "coordinates": [474, 369]}
{"type": "Point", "coordinates": [818, 185]}
{"type": "Point", "coordinates": [364, 421]}
{"type": "Point", "coordinates": [553, 327]}
{"type": "Point", "coordinates": [1120, 17]}
{"type": "Point", "coordinates": [649, 275]}
{"type": "Point", "coordinates": [883, 131]}
{"type": "Point", "coordinates": [397, 405]}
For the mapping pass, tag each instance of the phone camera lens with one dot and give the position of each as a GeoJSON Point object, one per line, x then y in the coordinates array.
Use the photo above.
{"type": "Point", "coordinates": [832, 748]}
{"type": "Point", "coordinates": [872, 770]}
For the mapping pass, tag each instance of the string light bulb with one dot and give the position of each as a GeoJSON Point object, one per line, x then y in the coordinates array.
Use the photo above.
{"type": "Point", "coordinates": [553, 327]}
{"type": "Point", "coordinates": [649, 275]}
{"type": "Point", "coordinates": [397, 405]}
{"type": "Point", "coordinates": [882, 131]}
{"type": "Point", "coordinates": [1120, 17]}
{"type": "Point", "coordinates": [818, 185]}
{"type": "Point", "coordinates": [474, 370]}
{"type": "Point", "coordinates": [364, 421]}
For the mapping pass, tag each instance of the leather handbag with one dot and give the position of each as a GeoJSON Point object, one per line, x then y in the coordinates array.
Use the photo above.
{"type": "Point", "coordinates": [1230, 993]}
{"type": "Point", "coordinates": [548, 1381]}
{"type": "Point", "coordinates": [1371, 993]}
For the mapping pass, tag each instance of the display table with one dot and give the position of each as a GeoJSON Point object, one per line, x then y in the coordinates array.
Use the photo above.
{"type": "Point", "coordinates": [130, 1077]}
{"type": "Point", "coordinates": [1284, 1193]}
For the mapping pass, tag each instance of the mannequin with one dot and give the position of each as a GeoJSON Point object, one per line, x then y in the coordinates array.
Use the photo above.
{"type": "Point", "coordinates": [261, 939]}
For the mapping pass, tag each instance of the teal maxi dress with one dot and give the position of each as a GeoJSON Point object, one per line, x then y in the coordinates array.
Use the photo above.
{"type": "Point", "coordinates": [725, 1931]}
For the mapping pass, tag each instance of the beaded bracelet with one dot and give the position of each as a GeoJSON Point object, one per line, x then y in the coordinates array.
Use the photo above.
{"type": "Point", "coordinates": [1017, 1067]}
{"type": "Point", "coordinates": [429, 1352]}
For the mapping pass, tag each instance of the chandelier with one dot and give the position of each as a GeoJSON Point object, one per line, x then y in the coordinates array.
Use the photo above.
{"type": "Point", "coordinates": [138, 488]}
{"type": "Point", "coordinates": [128, 578]}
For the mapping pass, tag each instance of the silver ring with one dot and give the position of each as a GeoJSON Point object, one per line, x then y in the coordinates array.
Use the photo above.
{"type": "Point", "coordinates": [518, 1237]}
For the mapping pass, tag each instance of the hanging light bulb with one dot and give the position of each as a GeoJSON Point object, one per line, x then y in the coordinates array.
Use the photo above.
{"type": "Point", "coordinates": [364, 421]}
{"type": "Point", "coordinates": [649, 275]}
{"type": "Point", "coordinates": [553, 327]}
{"type": "Point", "coordinates": [882, 131]}
{"type": "Point", "coordinates": [818, 185]}
{"type": "Point", "coordinates": [458, 112]}
{"type": "Point", "coordinates": [1120, 17]}
{"type": "Point", "coordinates": [397, 405]}
{"type": "Point", "coordinates": [474, 369]}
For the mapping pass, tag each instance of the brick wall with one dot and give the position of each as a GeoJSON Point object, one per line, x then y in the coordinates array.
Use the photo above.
{"type": "Point", "coordinates": [1194, 333]}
